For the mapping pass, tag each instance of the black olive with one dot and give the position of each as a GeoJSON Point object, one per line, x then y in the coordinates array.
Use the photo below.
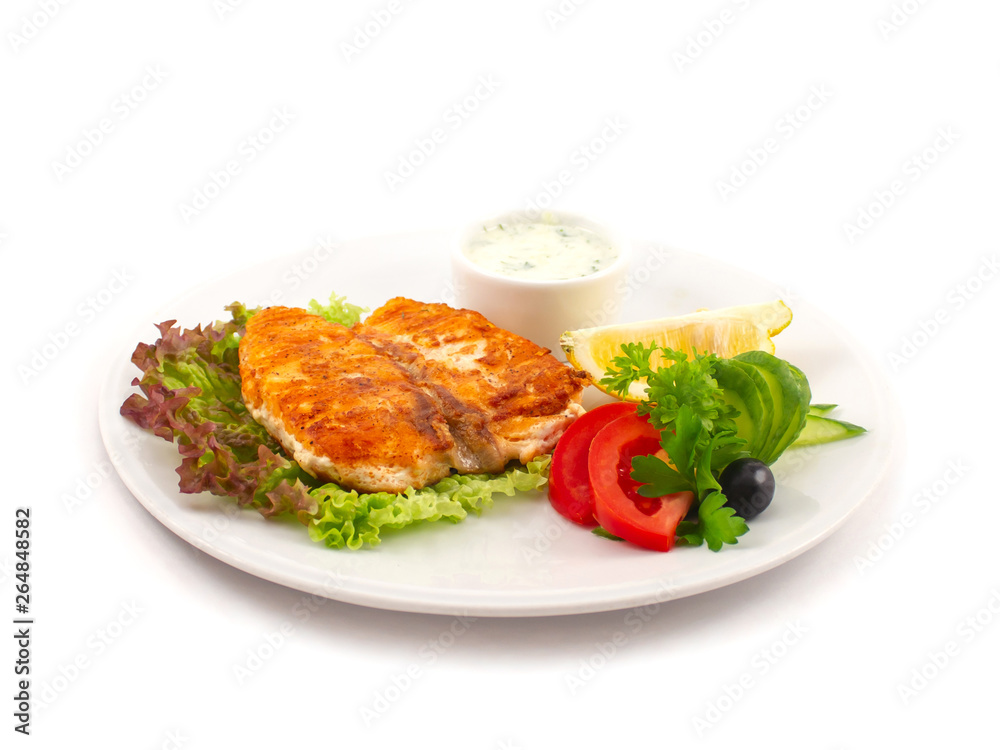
{"type": "Point", "coordinates": [748, 485]}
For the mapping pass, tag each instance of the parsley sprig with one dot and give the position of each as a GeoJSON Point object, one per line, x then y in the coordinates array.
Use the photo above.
{"type": "Point", "coordinates": [698, 434]}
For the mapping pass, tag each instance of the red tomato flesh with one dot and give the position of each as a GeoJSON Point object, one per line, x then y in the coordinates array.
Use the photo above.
{"type": "Point", "coordinates": [569, 478]}
{"type": "Point", "coordinates": [649, 522]}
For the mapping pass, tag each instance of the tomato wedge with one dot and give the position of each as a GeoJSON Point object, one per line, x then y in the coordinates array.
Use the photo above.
{"type": "Point", "coordinates": [649, 522]}
{"type": "Point", "coordinates": [569, 478]}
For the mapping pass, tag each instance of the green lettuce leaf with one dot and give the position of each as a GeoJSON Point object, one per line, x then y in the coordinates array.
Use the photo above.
{"type": "Point", "coordinates": [347, 519]}
{"type": "Point", "coordinates": [339, 310]}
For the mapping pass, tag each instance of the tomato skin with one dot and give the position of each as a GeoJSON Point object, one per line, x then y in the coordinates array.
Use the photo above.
{"type": "Point", "coordinates": [569, 478]}
{"type": "Point", "coordinates": [616, 510]}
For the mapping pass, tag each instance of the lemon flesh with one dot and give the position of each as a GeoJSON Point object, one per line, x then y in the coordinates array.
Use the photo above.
{"type": "Point", "coordinates": [726, 332]}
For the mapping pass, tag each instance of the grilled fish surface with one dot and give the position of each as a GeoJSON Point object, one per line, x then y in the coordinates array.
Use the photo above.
{"type": "Point", "coordinates": [525, 395]}
{"type": "Point", "coordinates": [340, 408]}
{"type": "Point", "coordinates": [400, 401]}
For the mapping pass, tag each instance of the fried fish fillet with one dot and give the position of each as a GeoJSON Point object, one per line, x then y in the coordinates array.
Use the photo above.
{"type": "Point", "coordinates": [340, 408]}
{"type": "Point", "coordinates": [415, 392]}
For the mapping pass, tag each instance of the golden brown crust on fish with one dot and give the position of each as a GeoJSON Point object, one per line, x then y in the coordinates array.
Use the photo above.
{"type": "Point", "coordinates": [343, 410]}
{"type": "Point", "coordinates": [527, 396]}
{"type": "Point", "coordinates": [416, 391]}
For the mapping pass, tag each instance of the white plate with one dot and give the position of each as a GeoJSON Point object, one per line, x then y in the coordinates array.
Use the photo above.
{"type": "Point", "coordinates": [520, 557]}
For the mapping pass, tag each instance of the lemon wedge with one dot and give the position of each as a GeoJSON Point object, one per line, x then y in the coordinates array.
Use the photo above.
{"type": "Point", "coordinates": [726, 332]}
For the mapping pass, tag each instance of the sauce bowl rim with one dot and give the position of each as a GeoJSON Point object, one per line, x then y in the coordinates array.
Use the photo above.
{"type": "Point", "coordinates": [562, 217]}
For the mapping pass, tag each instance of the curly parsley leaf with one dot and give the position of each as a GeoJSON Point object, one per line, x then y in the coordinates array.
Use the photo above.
{"type": "Point", "coordinates": [719, 524]}
{"type": "Point", "coordinates": [689, 534]}
{"type": "Point", "coordinates": [628, 368]}
{"type": "Point", "coordinates": [658, 478]}
{"type": "Point", "coordinates": [688, 383]}
{"type": "Point", "coordinates": [726, 449]}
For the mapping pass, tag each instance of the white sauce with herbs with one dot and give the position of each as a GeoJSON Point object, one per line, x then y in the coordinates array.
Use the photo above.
{"type": "Point", "coordinates": [540, 250]}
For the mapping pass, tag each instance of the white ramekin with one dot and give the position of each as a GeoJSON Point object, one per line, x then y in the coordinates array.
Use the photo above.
{"type": "Point", "coordinates": [541, 310]}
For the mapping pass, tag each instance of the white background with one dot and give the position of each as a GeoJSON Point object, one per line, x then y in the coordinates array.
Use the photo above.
{"type": "Point", "coordinates": [693, 107]}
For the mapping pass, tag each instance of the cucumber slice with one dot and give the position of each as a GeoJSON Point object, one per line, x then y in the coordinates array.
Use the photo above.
{"type": "Point", "coordinates": [819, 430]}
{"type": "Point", "coordinates": [821, 410]}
